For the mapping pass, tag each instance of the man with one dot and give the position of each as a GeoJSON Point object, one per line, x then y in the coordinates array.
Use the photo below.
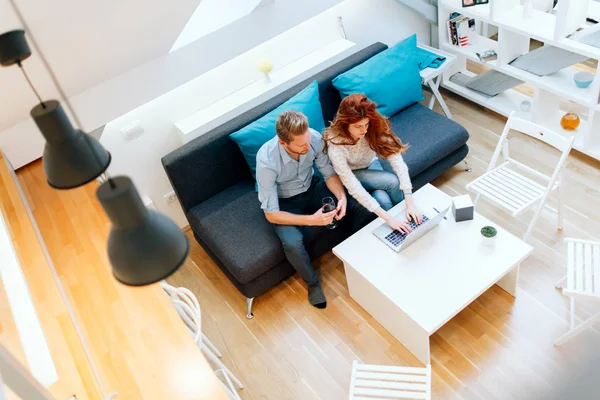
{"type": "Point", "coordinates": [291, 196]}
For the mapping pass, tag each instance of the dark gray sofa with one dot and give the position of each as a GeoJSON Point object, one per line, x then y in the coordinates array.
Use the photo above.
{"type": "Point", "coordinates": [214, 186]}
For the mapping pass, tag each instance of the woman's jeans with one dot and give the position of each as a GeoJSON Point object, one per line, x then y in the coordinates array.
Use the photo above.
{"type": "Point", "coordinates": [383, 185]}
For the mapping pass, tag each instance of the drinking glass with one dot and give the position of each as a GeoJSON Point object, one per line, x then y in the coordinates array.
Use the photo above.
{"type": "Point", "coordinates": [328, 206]}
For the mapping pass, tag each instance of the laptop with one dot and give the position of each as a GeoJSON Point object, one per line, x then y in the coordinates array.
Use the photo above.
{"type": "Point", "coordinates": [488, 84]}
{"type": "Point", "coordinates": [547, 60]}
{"type": "Point", "coordinates": [399, 241]}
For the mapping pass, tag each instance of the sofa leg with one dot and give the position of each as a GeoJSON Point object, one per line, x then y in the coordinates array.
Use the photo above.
{"type": "Point", "coordinates": [467, 168]}
{"type": "Point", "coordinates": [249, 301]}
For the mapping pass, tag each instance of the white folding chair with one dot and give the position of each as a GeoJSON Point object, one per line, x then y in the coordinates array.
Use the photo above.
{"type": "Point", "coordinates": [506, 186]}
{"type": "Point", "coordinates": [383, 382]}
{"type": "Point", "coordinates": [582, 280]}
{"type": "Point", "coordinates": [188, 308]}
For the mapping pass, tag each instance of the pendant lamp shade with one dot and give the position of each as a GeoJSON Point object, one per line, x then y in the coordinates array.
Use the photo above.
{"type": "Point", "coordinates": [13, 47]}
{"type": "Point", "coordinates": [144, 246]}
{"type": "Point", "coordinates": [71, 157]}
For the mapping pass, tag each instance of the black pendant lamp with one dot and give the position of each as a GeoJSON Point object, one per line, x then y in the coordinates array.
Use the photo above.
{"type": "Point", "coordinates": [144, 246]}
{"type": "Point", "coordinates": [13, 48]}
{"type": "Point", "coordinates": [71, 157]}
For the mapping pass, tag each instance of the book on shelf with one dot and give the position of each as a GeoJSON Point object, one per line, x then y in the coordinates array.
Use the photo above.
{"type": "Point", "coordinates": [461, 30]}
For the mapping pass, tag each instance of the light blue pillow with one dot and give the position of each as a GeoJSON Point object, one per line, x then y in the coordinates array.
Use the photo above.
{"type": "Point", "coordinates": [251, 137]}
{"type": "Point", "coordinates": [391, 78]}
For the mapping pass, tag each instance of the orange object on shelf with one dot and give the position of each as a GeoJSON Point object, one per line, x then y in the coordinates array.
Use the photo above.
{"type": "Point", "coordinates": [570, 121]}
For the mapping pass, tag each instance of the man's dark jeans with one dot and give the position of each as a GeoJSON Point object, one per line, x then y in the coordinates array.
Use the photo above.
{"type": "Point", "coordinates": [308, 203]}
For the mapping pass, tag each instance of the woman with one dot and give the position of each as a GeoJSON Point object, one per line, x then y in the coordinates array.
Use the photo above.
{"type": "Point", "coordinates": [356, 139]}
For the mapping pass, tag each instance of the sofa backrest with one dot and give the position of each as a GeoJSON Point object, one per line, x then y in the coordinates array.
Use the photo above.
{"type": "Point", "coordinates": [213, 162]}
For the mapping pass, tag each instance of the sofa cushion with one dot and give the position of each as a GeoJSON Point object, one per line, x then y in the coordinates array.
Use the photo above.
{"type": "Point", "coordinates": [431, 136]}
{"type": "Point", "coordinates": [235, 229]}
{"type": "Point", "coordinates": [251, 137]}
{"type": "Point", "coordinates": [391, 78]}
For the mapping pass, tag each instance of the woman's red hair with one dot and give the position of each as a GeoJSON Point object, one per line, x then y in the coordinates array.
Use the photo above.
{"type": "Point", "coordinates": [380, 137]}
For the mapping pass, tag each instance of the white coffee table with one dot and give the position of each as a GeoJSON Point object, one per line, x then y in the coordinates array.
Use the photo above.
{"type": "Point", "coordinates": [414, 292]}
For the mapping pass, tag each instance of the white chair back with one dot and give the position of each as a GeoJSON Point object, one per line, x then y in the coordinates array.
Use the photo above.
{"type": "Point", "coordinates": [382, 382]}
{"type": "Point", "coordinates": [582, 281]}
{"type": "Point", "coordinates": [583, 268]}
{"type": "Point", "coordinates": [187, 306]}
{"type": "Point", "coordinates": [507, 187]}
{"type": "Point", "coordinates": [539, 132]}
{"type": "Point", "coordinates": [535, 131]}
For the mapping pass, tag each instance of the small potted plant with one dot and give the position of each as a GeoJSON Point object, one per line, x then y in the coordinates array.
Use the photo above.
{"type": "Point", "coordinates": [488, 234]}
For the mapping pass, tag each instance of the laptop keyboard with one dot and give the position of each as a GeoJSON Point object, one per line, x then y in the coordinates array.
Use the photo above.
{"type": "Point", "coordinates": [396, 237]}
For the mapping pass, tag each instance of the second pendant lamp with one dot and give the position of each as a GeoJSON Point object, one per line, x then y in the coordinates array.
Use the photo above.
{"type": "Point", "coordinates": [144, 246]}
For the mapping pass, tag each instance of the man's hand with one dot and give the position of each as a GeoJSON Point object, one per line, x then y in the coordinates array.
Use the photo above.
{"type": "Point", "coordinates": [341, 208]}
{"type": "Point", "coordinates": [322, 219]}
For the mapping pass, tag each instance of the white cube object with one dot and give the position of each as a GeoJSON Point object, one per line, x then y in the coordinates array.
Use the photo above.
{"type": "Point", "coordinates": [462, 208]}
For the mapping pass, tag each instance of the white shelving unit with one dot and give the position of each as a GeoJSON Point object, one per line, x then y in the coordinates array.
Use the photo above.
{"type": "Point", "coordinates": [561, 28]}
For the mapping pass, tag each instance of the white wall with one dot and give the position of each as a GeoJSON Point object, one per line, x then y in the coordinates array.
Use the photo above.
{"type": "Point", "coordinates": [366, 21]}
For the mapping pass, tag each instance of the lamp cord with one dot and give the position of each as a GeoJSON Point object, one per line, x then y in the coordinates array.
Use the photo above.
{"type": "Point", "coordinates": [46, 65]}
{"type": "Point", "coordinates": [63, 97]}
{"type": "Point", "coordinates": [30, 84]}
{"type": "Point", "coordinates": [61, 289]}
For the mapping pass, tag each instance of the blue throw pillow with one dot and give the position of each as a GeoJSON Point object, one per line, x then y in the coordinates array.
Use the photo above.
{"type": "Point", "coordinates": [391, 78]}
{"type": "Point", "coordinates": [251, 137]}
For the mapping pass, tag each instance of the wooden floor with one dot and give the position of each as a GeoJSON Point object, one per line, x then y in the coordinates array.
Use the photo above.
{"type": "Point", "coordinates": [138, 343]}
{"type": "Point", "coordinates": [74, 374]}
{"type": "Point", "coordinates": [497, 348]}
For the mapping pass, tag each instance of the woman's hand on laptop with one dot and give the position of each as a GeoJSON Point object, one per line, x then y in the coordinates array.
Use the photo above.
{"type": "Point", "coordinates": [398, 224]}
{"type": "Point", "coordinates": [413, 213]}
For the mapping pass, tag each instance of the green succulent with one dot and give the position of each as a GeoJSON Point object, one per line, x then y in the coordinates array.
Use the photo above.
{"type": "Point", "coordinates": [489, 231]}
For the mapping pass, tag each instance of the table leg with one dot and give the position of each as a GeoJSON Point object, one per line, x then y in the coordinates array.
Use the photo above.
{"type": "Point", "coordinates": [434, 84]}
{"type": "Point", "coordinates": [509, 281]}
{"type": "Point", "coordinates": [432, 98]}
{"type": "Point", "coordinates": [410, 334]}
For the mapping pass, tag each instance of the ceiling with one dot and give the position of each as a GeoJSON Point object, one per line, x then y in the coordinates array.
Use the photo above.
{"type": "Point", "coordinates": [86, 42]}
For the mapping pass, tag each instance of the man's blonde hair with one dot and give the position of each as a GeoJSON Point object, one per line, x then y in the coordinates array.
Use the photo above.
{"type": "Point", "coordinates": [291, 123]}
